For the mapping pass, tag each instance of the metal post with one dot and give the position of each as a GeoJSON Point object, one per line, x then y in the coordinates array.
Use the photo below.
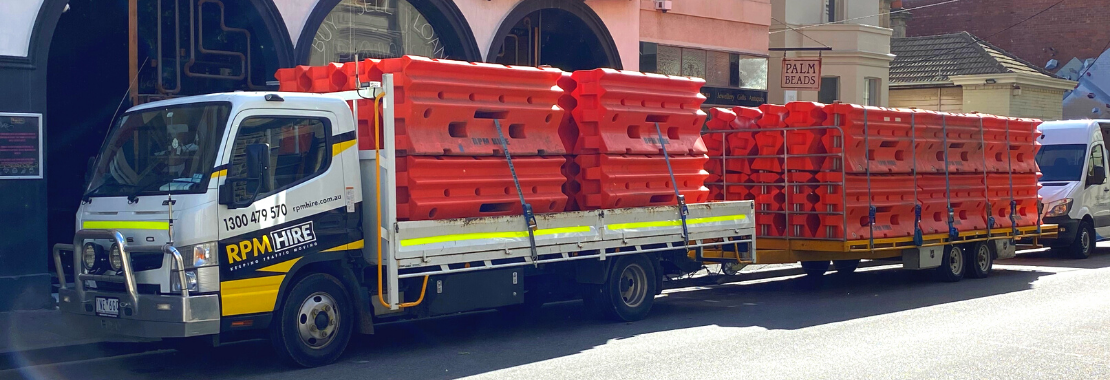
{"type": "Point", "coordinates": [389, 159]}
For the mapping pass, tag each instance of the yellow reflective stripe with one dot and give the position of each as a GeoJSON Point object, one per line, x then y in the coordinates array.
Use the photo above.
{"type": "Point", "coordinates": [674, 223]}
{"type": "Point", "coordinates": [341, 146]}
{"type": "Point", "coordinates": [346, 247]}
{"type": "Point", "coordinates": [491, 235]}
{"type": "Point", "coordinates": [221, 173]}
{"type": "Point", "coordinates": [282, 267]}
{"type": "Point", "coordinates": [123, 225]}
{"type": "Point", "coordinates": [248, 296]}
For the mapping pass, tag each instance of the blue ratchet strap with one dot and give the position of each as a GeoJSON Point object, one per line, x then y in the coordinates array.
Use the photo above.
{"type": "Point", "coordinates": [683, 211]}
{"type": "Point", "coordinates": [529, 216]}
{"type": "Point", "coordinates": [871, 210]}
{"type": "Point", "coordinates": [952, 232]}
{"type": "Point", "coordinates": [918, 238]}
{"type": "Point", "coordinates": [986, 194]}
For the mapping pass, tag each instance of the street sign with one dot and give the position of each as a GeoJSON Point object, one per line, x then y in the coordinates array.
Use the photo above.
{"type": "Point", "coordinates": [801, 74]}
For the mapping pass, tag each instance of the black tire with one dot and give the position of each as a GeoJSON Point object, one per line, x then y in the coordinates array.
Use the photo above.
{"type": "Point", "coordinates": [629, 291]}
{"type": "Point", "coordinates": [979, 260]}
{"type": "Point", "coordinates": [815, 268]}
{"type": "Point", "coordinates": [296, 333]}
{"type": "Point", "coordinates": [846, 266]}
{"type": "Point", "coordinates": [1084, 243]}
{"type": "Point", "coordinates": [952, 264]}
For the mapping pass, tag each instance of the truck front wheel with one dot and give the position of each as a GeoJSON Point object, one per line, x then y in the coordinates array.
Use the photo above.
{"type": "Point", "coordinates": [315, 322]}
{"type": "Point", "coordinates": [629, 292]}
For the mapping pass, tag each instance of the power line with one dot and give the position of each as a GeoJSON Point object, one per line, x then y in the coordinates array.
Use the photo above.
{"type": "Point", "coordinates": [799, 32]}
{"type": "Point", "coordinates": [861, 17]}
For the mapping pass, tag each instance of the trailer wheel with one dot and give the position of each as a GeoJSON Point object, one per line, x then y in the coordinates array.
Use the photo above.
{"type": "Point", "coordinates": [952, 264]}
{"type": "Point", "coordinates": [815, 268]}
{"type": "Point", "coordinates": [980, 260]}
{"type": "Point", "coordinates": [629, 292]}
{"type": "Point", "coordinates": [315, 323]}
{"type": "Point", "coordinates": [846, 266]}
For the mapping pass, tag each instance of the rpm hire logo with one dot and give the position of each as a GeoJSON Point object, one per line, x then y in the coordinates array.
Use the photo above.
{"type": "Point", "coordinates": [271, 247]}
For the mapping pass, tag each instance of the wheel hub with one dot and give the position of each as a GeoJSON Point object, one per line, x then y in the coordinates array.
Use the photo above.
{"type": "Point", "coordinates": [633, 285]}
{"type": "Point", "coordinates": [956, 261]}
{"type": "Point", "coordinates": [317, 321]}
{"type": "Point", "coordinates": [984, 258]}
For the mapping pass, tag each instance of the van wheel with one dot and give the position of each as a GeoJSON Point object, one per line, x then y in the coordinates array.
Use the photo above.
{"type": "Point", "coordinates": [815, 268]}
{"type": "Point", "coordinates": [952, 264]}
{"type": "Point", "coordinates": [1084, 242]}
{"type": "Point", "coordinates": [315, 322]}
{"type": "Point", "coordinates": [980, 260]}
{"type": "Point", "coordinates": [629, 292]}
{"type": "Point", "coordinates": [846, 266]}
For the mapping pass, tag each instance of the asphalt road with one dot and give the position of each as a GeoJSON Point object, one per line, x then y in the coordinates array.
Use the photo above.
{"type": "Point", "coordinates": [1036, 317]}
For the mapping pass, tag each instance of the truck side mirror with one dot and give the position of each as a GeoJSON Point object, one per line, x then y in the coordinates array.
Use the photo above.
{"type": "Point", "coordinates": [89, 166]}
{"type": "Point", "coordinates": [258, 162]}
{"type": "Point", "coordinates": [1098, 177]}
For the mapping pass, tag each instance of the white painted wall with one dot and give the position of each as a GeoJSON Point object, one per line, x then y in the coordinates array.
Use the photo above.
{"type": "Point", "coordinates": [17, 20]}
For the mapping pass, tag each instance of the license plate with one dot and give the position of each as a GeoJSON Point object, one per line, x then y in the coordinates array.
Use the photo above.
{"type": "Point", "coordinates": [107, 307]}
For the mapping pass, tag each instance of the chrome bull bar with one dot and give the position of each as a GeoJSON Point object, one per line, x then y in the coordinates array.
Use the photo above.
{"type": "Point", "coordinates": [128, 277]}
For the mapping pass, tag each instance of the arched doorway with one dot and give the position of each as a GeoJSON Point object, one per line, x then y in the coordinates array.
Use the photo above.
{"type": "Point", "coordinates": [337, 30]}
{"type": "Point", "coordinates": [181, 48]}
{"type": "Point", "coordinates": [563, 34]}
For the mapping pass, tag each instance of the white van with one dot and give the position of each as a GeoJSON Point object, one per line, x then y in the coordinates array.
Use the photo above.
{"type": "Point", "coordinates": [1074, 189]}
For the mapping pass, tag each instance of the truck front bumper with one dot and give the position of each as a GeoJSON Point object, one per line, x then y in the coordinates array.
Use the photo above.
{"type": "Point", "coordinates": [152, 317]}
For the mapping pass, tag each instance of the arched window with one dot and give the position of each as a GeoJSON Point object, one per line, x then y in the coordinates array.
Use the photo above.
{"type": "Point", "coordinates": [375, 29]}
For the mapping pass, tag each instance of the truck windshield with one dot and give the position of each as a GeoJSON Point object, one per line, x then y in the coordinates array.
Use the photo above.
{"type": "Point", "coordinates": [160, 150]}
{"type": "Point", "coordinates": [1063, 162]}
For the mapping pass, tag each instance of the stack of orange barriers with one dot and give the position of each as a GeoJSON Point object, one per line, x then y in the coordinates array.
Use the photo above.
{"type": "Point", "coordinates": [847, 172]}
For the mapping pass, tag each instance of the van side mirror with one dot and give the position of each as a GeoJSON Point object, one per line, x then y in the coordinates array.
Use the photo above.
{"type": "Point", "coordinates": [1098, 177]}
{"type": "Point", "coordinates": [258, 162]}
{"type": "Point", "coordinates": [256, 180]}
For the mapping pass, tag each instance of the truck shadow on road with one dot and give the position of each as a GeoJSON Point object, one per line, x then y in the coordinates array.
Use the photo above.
{"type": "Point", "coordinates": [477, 343]}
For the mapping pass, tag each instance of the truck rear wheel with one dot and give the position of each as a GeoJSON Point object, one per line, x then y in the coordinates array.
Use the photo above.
{"type": "Point", "coordinates": [315, 322]}
{"type": "Point", "coordinates": [815, 268]}
{"type": "Point", "coordinates": [629, 292]}
{"type": "Point", "coordinates": [980, 260]}
{"type": "Point", "coordinates": [952, 264]}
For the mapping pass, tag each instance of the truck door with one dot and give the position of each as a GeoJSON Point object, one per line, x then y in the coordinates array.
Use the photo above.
{"type": "Point", "coordinates": [1098, 190]}
{"type": "Point", "coordinates": [282, 200]}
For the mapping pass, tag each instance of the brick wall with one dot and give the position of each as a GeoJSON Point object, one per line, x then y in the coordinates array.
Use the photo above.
{"type": "Point", "coordinates": [1073, 28]}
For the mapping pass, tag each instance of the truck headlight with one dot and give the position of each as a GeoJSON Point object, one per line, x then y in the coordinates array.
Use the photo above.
{"type": "Point", "coordinates": [1058, 208]}
{"type": "Point", "coordinates": [203, 254]}
{"type": "Point", "coordinates": [115, 258]}
{"type": "Point", "coordinates": [89, 253]}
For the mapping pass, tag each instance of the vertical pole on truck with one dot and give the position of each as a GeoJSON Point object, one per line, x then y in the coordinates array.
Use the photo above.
{"type": "Point", "coordinates": [871, 211]}
{"type": "Point", "coordinates": [918, 238]}
{"type": "Point", "coordinates": [529, 217]}
{"type": "Point", "coordinates": [952, 233]}
{"type": "Point", "coordinates": [389, 148]}
{"type": "Point", "coordinates": [986, 193]}
{"type": "Point", "coordinates": [683, 211]}
{"type": "Point", "coordinates": [1010, 176]}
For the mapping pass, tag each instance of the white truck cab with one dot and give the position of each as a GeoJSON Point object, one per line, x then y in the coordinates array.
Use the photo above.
{"type": "Point", "coordinates": [1075, 194]}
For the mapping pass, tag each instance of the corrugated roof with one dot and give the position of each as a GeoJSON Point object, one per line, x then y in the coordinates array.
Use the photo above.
{"type": "Point", "coordinates": [931, 59]}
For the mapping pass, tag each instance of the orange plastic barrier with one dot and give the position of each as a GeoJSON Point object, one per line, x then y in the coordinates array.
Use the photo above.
{"type": "Point", "coordinates": [891, 195]}
{"type": "Point", "coordinates": [445, 107]}
{"type": "Point", "coordinates": [619, 181]}
{"type": "Point", "coordinates": [1016, 154]}
{"type": "Point", "coordinates": [448, 187]}
{"type": "Point", "coordinates": [617, 112]}
{"type": "Point", "coordinates": [965, 192]}
{"type": "Point", "coordinates": [1025, 194]}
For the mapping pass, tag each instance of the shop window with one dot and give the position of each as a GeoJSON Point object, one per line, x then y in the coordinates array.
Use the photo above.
{"type": "Point", "coordinates": [719, 69]}
{"type": "Point", "coordinates": [830, 90]}
{"type": "Point", "coordinates": [834, 10]}
{"type": "Point", "coordinates": [872, 88]}
{"type": "Point", "coordinates": [669, 60]}
{"type": "Point", "coordinates": [693, 62]}
{"type": "Point", "coordinates": [374, 29]}
{"type": "Point", "coordinates": [751, 72]}
{"type": "Point", "coordinates": [298, 150]}
{"type": "Point", "coordinates": [649, 53]}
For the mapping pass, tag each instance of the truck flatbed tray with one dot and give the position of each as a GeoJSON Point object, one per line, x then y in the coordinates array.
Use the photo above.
{"type": "Point", "coordinates": [776, 249]}
{"type": "Point", "coordinates": [455, 245]}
